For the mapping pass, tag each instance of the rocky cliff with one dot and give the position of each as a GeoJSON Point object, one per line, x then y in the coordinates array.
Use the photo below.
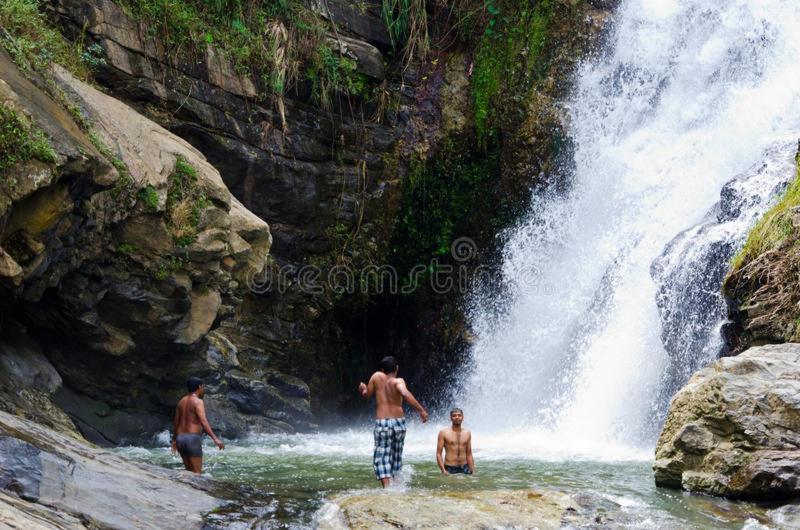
{"type": "Point", "coordinates": [136, 249]}
{"type": "Point", "coordinates": [732, 430]}
{"type": "Point", "coordinates": [762, 285]}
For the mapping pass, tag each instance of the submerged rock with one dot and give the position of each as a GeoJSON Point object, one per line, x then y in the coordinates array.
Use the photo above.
{"type": "Point", "coordinates": [470, 509]}
{"type": "Point", "coordinates": [734, 429]}
{"type": "Point", "coordinates": [50, 480]}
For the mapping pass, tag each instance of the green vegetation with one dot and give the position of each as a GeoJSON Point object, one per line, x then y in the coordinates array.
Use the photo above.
{"type": "Point", "coordinates": [274, 42]}
{"type": "Point", "coordinates": [331, 72]}
{"type": "Point", "coordinates": [126, 248]}
{"type": "Point", "coordinates": [185, 202]}
{"type": "Point", "coordinates": [407, 22]}
{"type": "Point", "coordinates": [33, 44]}
{"type": "Point", "coordinates": [774, 228]}
{"type": "Point", "coordinates": [168, 267]}
{"type": "Point", "coordinates": [20, 141]}
{"type": "Point", "coordinates": [149, 196]}
{"type": "Point", "coordinates": [509, 58]}
{"type": "Point", "coordinates": [440, 203]}
{"type": "Point", "coordinates": [124, 181]}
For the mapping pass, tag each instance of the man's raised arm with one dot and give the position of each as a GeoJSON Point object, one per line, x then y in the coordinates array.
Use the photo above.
{"type": "Point", "coordinates": [367, 391]}
{"type": "Point", "coordinates": [408, 396]}
{"type": "Point", "coordinates": [439, 448]}
{"type": "Point", "coordinates": [201, 415]}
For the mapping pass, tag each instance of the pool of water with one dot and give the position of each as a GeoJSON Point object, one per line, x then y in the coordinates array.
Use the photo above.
{"type": "Point", "coordinates": [294, 475]}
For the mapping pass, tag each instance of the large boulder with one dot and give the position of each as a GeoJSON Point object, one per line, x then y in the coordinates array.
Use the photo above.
{"type": "Point", "coordinates": [734, 429]}
{"type": "Point", "coordinates": [118, 257]}
{"type": "Point", "coordinates": [49, 480]}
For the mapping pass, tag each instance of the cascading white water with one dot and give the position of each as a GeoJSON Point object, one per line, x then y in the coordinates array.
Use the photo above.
{"type": "Point", "coordinates": [690, 94]}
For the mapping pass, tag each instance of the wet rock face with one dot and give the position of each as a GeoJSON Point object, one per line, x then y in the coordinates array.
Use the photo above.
{"type": "Point", "coordinates": [312, 173]}
{"type": "Point", "coordinates": [690, 271]}
{"type": "Point", "coordinates": [734, 429]}
{"type": "Point", "coordinates": [49, 480]}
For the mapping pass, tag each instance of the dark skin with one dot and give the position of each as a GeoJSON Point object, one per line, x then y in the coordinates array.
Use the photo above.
{"type": "Point", "coordinates": [190, 417]}
{"type": "Point", "coordinates": [390, 391]}
{"type": "Point", "coordinates": [456, 443]}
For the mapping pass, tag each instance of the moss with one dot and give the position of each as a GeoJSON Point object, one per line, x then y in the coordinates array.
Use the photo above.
{"type": "Point", "coordinates": [440, 203]}
{"type": "Point", "coordinates": [149, 196]}
{"type": "Point", "coordinates": [124, 181]}
{"type": "Point", "coordinates": [126, 248]}
{"type": "Point", "coordinates": [20, 141]}
{"type": "Point", "coordinates": [509, 57]}
{"type": "Point", "coordinates": [34, 44]}
{"type": "Point", "coordinates": [168, 267]}
{"type": "Point", "coordinates": [774, 228]}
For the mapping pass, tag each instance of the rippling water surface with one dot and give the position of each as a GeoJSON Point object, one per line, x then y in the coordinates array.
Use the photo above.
{"type": "Point", "coordinates": [297, 474]}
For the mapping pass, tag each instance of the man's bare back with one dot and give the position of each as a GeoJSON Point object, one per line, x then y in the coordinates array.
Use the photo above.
{"type": "Point", "coordinates": [188, 426]}
{"type": "Point", "coordinates": [390, 423]}
{"type": "Point", "coordinates": [188, 420]}
{"type": "Point", "coordinates": [388, 399]}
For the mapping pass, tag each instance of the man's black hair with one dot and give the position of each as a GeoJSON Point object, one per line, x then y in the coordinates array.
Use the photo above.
{"type": "Point", "coordinates": [193, 383]}
{"type": "Point", "coordinates": [456, 410]}
{"type": "Point", "coordinates": [388, 364]}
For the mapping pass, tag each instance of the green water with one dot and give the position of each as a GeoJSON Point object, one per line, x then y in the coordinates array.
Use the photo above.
{"type": "Point", "coordinates": [293, 475]}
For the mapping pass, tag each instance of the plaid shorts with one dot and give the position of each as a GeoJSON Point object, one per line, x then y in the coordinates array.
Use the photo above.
{"type": "Point", "coordinates": [390, 433]}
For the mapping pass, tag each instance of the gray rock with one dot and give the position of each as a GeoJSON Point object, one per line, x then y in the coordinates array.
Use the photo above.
{"type": "Point", "coordinates": [70, 480]}
{"type": "Point", "coordinates": [734, 429]}
{"type": "Point", "coordinates": [542, 509]}
{"type": "Point", "coordinates": [20, 468]}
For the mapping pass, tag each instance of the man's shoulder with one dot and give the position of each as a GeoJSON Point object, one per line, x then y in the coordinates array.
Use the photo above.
{"type": "Point", "coordinates": [378, 375]}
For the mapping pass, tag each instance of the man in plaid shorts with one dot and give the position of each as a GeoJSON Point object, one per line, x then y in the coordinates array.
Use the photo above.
{"type": "Point", "coordinates": [390, 425]}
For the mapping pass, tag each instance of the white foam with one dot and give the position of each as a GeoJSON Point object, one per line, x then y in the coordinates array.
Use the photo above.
{"type": "Point", "coordinates": [691, 94]}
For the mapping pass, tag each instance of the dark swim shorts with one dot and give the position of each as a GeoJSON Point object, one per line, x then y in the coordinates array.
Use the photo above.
{"type": "Point", "coordinates": [454, 470]}
{"type": "Point", "coordinates": [190, 444]}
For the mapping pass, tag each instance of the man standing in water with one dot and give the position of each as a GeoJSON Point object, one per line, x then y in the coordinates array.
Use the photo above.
{"type": "Point", "coordinates": [457, 445]}
{"type": "Point", "coordinates": [390, 425]}
{"type": "Point", "coordinates": [189, 425]}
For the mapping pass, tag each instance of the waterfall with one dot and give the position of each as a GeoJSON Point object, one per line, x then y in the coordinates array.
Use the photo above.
{"type": "Point", "coordinates": [689, 95]}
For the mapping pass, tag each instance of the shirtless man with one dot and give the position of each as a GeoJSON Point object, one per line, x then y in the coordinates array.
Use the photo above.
{"type": "Point", "coordinates": [457, 445]}
{"type": "Point", "coordinates": [390, 425]}
{"type": "Point", "coordinates": [190, 422]}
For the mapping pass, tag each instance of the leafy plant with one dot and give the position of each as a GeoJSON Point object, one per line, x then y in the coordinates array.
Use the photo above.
{"type": "Point", "coordinates": [21, 140]}
{"type": "Point", "coordinates": [185, 202]}
{"type": "Point", "coordinates": [33, 43]}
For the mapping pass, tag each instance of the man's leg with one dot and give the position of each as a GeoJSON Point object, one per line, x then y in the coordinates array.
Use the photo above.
{"type": "Point", "coordinates": [187, 464]}
{"type": "Point", "coordinates": [196, 463]}
{"type": "Point", "coordinates": [381, 456]}
{"type": "Point", "coordinates": [398, 441]}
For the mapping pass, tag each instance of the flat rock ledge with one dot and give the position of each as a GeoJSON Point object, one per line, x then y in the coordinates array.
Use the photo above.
{"type": "Point", "coordinates": [541, 509]}
{"type": "Point", "coordinates": [52, 480]}
{"type": "Point", "coordinates": [734, 429]}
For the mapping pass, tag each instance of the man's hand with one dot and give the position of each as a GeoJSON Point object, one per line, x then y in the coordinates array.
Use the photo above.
{"type": "Point", "coordinates": [174, 447]}
{"type": "Point", "coordinates": [219, 444]}
{"type": "Point", "coordinates": [362, 389]}
{"type": "Point", "coordinates": [423, 415]}
{"type": "Point", "coordinates": [444, 472]}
